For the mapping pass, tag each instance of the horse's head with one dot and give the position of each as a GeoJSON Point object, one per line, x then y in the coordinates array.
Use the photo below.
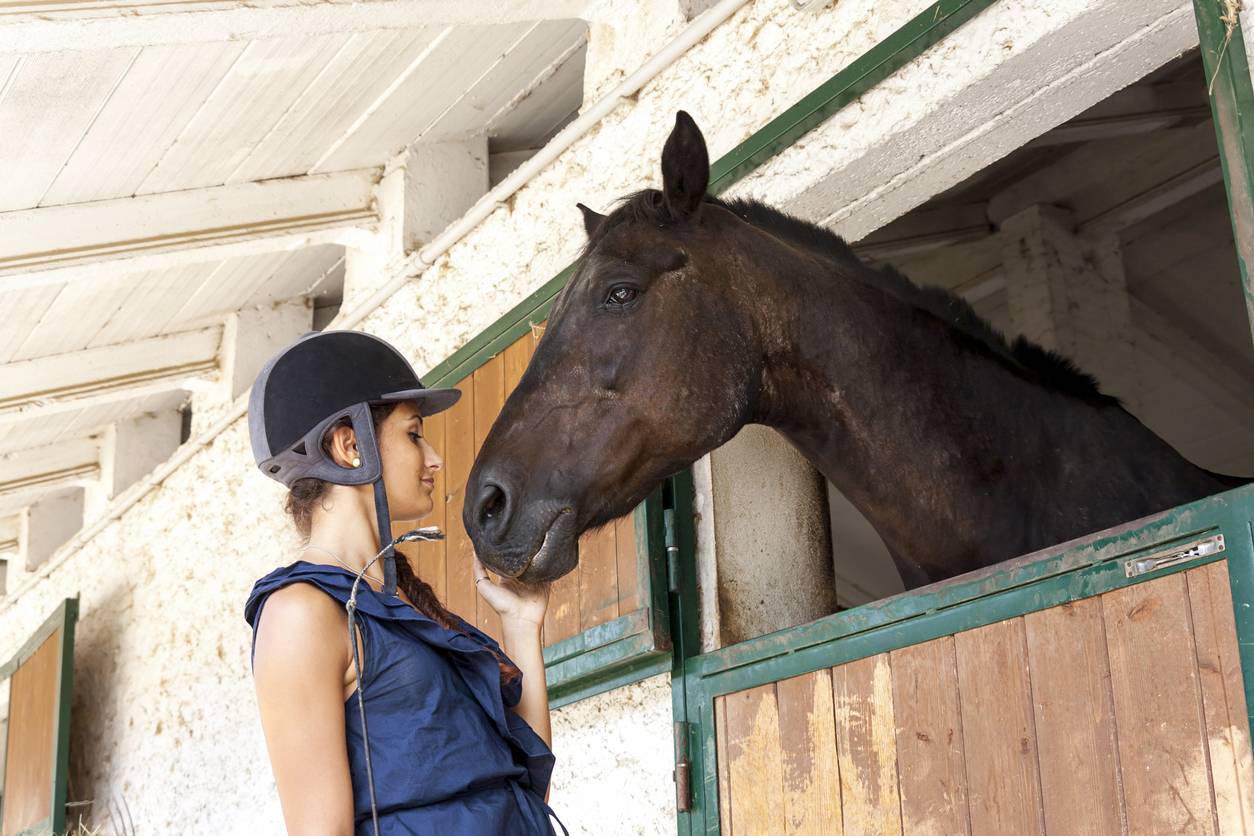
{"type": "Point", "coordinates": [646, 364]}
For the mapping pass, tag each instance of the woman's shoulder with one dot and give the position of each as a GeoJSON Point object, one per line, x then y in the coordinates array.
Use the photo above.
{"type": "Point", "coordinates": [300, 585]}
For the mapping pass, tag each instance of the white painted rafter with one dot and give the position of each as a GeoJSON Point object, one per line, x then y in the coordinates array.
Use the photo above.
{"type": "Point", "coordinates": [50, 467]}
{"type": "Point", "coordinates": [55, 244]}
{"type": "Point", "coordinates": [67, 382]}
{"type": "Point", "coordinates": [49, 27]}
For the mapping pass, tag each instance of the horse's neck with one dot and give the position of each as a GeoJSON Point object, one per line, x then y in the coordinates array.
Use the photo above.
{"type": "Point", "coordinates": [955, 460]}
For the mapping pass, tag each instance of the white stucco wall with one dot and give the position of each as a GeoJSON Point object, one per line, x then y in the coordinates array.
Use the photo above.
{"type": "Point", "coordinates": [164, 715]}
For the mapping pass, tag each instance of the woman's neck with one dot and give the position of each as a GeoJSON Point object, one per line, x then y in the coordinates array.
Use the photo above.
{"type": "Point", "coordinates": [343, 525]}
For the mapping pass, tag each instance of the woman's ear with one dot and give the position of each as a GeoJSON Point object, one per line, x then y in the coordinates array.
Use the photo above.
{"type": "Point", "coordinates": [343, 447]}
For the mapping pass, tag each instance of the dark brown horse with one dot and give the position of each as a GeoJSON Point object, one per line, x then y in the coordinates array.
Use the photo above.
{"type": "Point", "coordinates": [689, 317]}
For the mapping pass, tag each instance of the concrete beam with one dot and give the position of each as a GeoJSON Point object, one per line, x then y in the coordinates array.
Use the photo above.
{"type": "Point", "coordinates": [926, 230]}
{"type": "Point", "coordinates": [1114, 184]}
{"type": "Point", "coordinates": [45, 525]}
{"type": "Point", "coordinates": [69, 25]}
{"type": "Point", "coordinates": [129, 451]}
{"type": "Point", "coordinates": [425, 189]}
{"type": "Point", "coordinates": [1135, 110]}
{"type": "Point", "coordinates": [59, 383]}
{"type": "Point", "coordinates": [77, 242]}
{"type": "Point", "coordinates": [623, 34]}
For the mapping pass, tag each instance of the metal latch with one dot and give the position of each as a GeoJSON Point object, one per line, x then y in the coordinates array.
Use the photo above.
{"type": "Point", "coordinates": [683, 769]}
{"type": "Point", "coordinates": [1171, 557]}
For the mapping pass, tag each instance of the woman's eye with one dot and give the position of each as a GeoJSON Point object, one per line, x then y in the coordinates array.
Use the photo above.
{"type": "Point", "coordinates": [621, 295]}
{"type": "Point", "coordinates": [414, 437]}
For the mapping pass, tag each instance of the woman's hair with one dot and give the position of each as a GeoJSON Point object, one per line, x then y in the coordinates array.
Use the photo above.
{"type": "Point", "coordinates": [305, 494]}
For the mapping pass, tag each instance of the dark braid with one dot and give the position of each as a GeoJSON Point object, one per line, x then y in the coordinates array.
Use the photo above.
{"type": "Point", "coordinates": [306, 493]}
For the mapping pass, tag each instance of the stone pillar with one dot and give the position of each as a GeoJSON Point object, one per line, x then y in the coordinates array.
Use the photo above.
{"type": "Point", "coordinates": [249, 338]}
{"type": "Point", "coordinates": [43, 527]}
{"type": "Point", "coordinates": [129, 451]}
{"type": "Point", "coordinates": [427, 188]}
{"type": "Point", "coordinates": [772, 547]}
{"type": "Point", "coordinates": [1069, 294]}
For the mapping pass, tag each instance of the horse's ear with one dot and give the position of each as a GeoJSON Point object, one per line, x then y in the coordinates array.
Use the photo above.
{"type": "Point", "coordinates": [685, 167]}
{"type": "Point", "coordinates": [591, 219]}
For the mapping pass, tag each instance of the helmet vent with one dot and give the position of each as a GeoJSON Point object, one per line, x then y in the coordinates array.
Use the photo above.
{"type": "Point", "coordinates": [299, 449]}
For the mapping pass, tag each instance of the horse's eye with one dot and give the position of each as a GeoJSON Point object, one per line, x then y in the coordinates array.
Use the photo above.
{"type": "Point", "coordinates": [621, 295]}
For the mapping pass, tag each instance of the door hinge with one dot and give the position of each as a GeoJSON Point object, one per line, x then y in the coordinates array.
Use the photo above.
{"type": "Point", "coordinates": [1170, 557]}
{"type": "Point", "coordinates": [672, 552]}
{"type": "Point", "coordinates": [683, 769]}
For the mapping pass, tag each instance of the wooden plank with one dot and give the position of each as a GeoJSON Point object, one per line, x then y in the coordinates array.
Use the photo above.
{"type": "Point", "coordinates": [862, 702]}
{"type": "Point", "coordinates": [1223, 697]}
{"type": "Point", "coordinates": [625, 547]}
{"type": "Point", "coordinates": [598, 582]}
{"type": "Point", "coordinates": [724, 772]}
{"type": "Point", "coordinates": [459, 455]}
{"type": "Point", "coordinates": [561, 621]}
{"type": "Point", "coordinates": [30, 760]}
{"type": "Point", "coordinates": [755, 765]}
{"type": "Point", "coordinates": [811, 774]}
{"type": "Point", "coordinates": [1075, 719]}
{"type": "Point", "coordinates": [1153, 677]}
{"type": "Point", "coordinates": [429, 557]}
{"type": "Point", "coordinates": [999, 736]}
{"type": "Point", "coordinates": [489, 384]}
{"type": "Point", "coordinates": [933, 779]}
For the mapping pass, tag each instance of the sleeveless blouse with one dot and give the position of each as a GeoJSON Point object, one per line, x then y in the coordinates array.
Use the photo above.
{"type": "Point", "coordinates": [448, 754]}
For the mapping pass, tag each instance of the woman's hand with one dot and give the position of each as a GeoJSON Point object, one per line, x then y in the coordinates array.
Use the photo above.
{"type": "Point", "coordinates": [513, 600]}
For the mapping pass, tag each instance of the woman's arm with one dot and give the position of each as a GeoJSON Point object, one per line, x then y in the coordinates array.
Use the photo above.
{"type": "Point", "coordinates": [521, 642]}
{"type": "Point", "coordinates": [522, 609]}
{"type": "Point", "coordinates": [301, 654]}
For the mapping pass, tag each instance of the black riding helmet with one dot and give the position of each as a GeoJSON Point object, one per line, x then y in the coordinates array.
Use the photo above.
{"type": "Point", "coordinates": [314, 383]}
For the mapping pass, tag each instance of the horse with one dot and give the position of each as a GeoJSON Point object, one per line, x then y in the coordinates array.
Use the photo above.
{"type": "Point", "coordinates": [689, 317]}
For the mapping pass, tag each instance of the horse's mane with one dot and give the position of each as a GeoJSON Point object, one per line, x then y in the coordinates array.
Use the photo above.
{"type": "Point", "coordinates": [1048, 367]}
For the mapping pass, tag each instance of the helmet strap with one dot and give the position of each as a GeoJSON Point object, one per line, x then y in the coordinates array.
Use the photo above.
{"type": "Point", "coordinates": [385, 537]}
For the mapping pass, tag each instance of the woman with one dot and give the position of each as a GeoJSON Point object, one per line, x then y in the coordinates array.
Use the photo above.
{"type": "Point", "coordinates": [457, 726]}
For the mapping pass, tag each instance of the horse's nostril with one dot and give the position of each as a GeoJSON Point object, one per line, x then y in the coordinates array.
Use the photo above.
{"type": "Point", "coordinates": [492, 506]}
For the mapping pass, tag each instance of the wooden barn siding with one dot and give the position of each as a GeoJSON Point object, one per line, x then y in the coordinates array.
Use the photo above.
{"type": "Point", "coordinates": [606, 583]}
{"type": "Point", "coordinates": [30, 758]}
{"type": "Point", "coordinates": [1122, 713]}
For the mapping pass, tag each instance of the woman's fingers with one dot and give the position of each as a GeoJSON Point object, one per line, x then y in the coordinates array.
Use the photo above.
{"type": "Point", "coordinates": [481, 573]}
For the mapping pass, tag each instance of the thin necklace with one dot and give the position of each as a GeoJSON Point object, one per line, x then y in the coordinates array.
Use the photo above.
{"type": "Point", "coordinates": [334, 557]}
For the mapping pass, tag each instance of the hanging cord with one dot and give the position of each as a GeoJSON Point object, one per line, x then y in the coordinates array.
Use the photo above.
{"type": "Point", "coordinates": [429, 533]}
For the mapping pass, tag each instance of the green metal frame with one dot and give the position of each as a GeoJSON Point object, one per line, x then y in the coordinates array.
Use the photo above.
{"type": "Point", "coordinates": [63, 618]}
{"type": "Point", "coordinates": [1232, 106]}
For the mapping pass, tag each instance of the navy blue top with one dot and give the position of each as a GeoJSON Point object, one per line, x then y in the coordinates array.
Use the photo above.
{"type": "Point", "coordinates": [448, 756]}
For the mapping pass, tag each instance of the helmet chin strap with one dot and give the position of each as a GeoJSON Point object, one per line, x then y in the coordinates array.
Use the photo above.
{"type": "Point", "coordinates": [385, 536]}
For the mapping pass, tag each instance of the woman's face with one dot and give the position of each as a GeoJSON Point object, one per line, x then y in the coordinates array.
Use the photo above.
{"type": "Point", "coordinates": [409, 464]}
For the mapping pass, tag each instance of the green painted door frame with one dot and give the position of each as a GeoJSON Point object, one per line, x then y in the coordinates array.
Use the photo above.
{"type": "Point", "coordinates": [1076, 571]}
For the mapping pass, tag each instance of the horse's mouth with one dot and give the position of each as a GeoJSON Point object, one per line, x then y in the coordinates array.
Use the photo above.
{"type": "Point", "coordinates": [557, 553]}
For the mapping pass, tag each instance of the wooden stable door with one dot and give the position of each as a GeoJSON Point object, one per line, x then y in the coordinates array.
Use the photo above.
{"type": "Point", "coordinates": [605, 585]}
{"type": "Point", "coordinates": [36, 743]}
{"type": "Point", "coordinates": [1119, 713]}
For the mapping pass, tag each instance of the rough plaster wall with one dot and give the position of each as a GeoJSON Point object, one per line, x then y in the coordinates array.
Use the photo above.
{"type": "Point", "coordinates": [164, 713]}
{"type": "Point", "coordinates": [614, 760]}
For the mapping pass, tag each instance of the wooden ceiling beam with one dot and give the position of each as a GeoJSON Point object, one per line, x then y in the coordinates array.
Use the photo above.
{"type": "Point", "coordinates": [56, 244]}
{"type": "Point", "coordinates": [44, 386]}
{"type": "Point", "coordinates": [36, 27]}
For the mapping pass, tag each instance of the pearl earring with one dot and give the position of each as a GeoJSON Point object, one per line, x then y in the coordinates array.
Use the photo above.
{"type": "Point", "coordinates": [356, 462]}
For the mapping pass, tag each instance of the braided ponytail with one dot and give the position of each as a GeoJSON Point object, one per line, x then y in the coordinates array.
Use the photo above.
{"type": "Point", "coordinates": [305, 493]}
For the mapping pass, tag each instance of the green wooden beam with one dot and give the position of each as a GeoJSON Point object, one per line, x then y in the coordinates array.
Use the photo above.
{"type": "Point", "coordinates": [1232, 105]}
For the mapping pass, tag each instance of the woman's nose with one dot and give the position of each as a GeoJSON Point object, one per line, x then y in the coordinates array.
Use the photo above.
{"type": "Point", "coordinates": [430, 457]}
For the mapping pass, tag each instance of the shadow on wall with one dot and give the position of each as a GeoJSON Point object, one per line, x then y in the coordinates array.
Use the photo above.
{"type": "Point", "coordinates": [97, 661]}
